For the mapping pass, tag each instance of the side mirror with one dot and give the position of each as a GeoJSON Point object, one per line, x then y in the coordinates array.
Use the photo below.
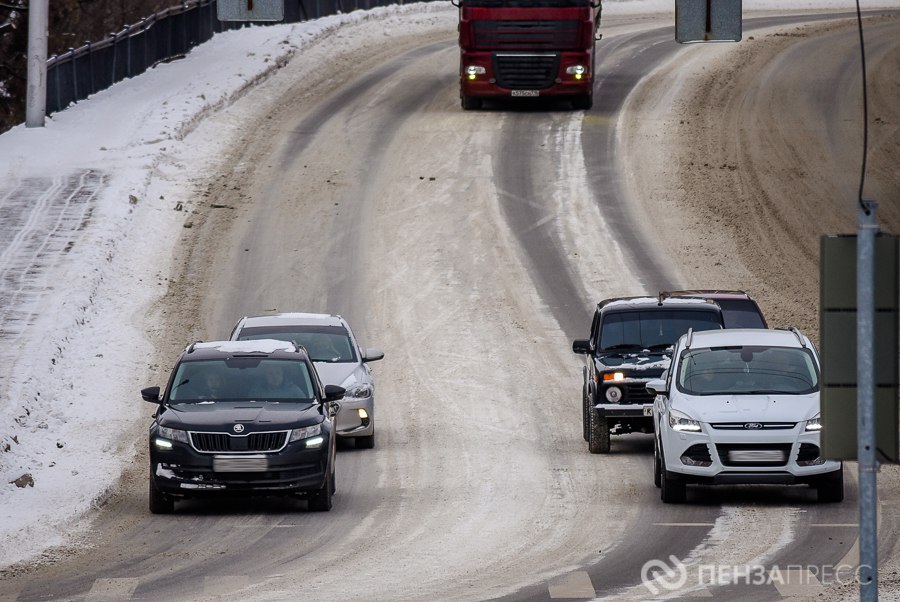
{"type": "Point", "coordinates": [581, 346]}
{"type": "Point", "coordinates": [334, 393]}
{"type": "Point", "coordinates": [150, 394]}
{"type": "Point", "coordinates": [657, 386]}
{"type": "Point", "coordinates": [373, 355]}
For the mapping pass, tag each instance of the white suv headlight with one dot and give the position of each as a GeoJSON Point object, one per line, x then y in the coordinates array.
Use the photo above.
{"type": "Point", "coordinates": [679, 421]}
{"type": "Point", "coordinates": [814, 423]}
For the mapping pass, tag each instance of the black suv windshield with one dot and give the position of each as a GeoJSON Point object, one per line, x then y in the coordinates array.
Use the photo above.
{"type": "Point", "coordinates": [747, 371]}
{"type": "Point", "coordinates": [322, 343]}
{"type": "Point", "coordinates": [654, 329]}
{"type": "Point", "coordinates": [242, 378]}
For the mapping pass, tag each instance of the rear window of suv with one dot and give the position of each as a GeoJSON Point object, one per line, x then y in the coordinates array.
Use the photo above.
{"type": "Point", "coordinates": [740, 313]}
{"type": "Point", "coordinates": [656, 329]}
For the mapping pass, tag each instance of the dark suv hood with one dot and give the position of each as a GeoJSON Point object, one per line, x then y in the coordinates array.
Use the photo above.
{"type": "Point", "coordinates": [255, 416]}
{"type": "Point", "coordinates": [651, 362]}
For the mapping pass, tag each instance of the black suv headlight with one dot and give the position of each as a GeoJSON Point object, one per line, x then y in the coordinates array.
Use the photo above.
{"type": "Point", "coordinates": [165, 436]}
{"type": "Point", "coordinates": [311, 434]}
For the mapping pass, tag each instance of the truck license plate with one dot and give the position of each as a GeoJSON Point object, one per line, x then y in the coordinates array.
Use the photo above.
{"type": "Point", "coordinates": [525, 93]}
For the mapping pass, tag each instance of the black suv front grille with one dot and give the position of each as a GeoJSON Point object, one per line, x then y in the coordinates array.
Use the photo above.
{"type": "Point", "coordinates": [254, 442]}
{"type": "Point", "coordinates": [526, 71]}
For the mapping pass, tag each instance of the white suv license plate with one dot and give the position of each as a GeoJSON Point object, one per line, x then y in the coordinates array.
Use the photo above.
{"type": "Point", "coordinates": [525, 93]}
{"type": "Point", "coordinates": [255, 463]}
{"type": "Point", "coordinates": [756, 455]}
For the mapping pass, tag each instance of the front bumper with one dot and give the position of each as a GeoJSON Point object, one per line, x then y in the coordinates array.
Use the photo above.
{"type": "Point", "coordinates": [625, 410]}
{"type": "Point", "coordinates": [785, 457]}
{"type": "Point", "coordinates": [184, 472]}
{"type": "Point", "coordinates": [349, 423]}
{"type": "Point", "coordinates": [487, 85]}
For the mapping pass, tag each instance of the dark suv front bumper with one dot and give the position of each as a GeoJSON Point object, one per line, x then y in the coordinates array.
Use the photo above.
{"type": "Point", "coordinates": [184, 472]}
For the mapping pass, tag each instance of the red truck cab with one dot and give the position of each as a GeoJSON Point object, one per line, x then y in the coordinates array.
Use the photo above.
{"type": "Point", "coordinates": [527, 49]}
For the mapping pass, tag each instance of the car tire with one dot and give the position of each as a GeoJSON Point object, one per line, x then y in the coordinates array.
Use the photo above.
{"type": "Point", "coordinates": [160, 503]}
{"type": "Point", "coordinates": [657, 465]}
{"type": "Point", "coordinates": [598, 439]}
{"type": "Point", "coordinates": [585, 410]}
{"type": "Point", "coordinates": [672, 491]}
{"type": "Point", "coordinates": [830, 488]}
{"type": "Point", "coordinates": [321, 500]}
{"type": "Point", "coordinates": [367, 442]}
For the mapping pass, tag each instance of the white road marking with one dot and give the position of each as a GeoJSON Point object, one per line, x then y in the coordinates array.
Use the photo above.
{"type": "Point", "coordinates": [112, 589]}
{"type": "Point", "coordinates": [574, 585]}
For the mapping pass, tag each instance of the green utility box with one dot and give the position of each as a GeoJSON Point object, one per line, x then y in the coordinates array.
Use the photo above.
{"type": "Point", "coordinates": [837, 332]}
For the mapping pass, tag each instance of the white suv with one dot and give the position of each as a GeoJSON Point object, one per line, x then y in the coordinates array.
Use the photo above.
{"type": "Point", "coordinates": [741, 406]}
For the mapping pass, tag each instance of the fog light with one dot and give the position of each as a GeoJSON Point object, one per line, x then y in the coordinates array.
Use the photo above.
{"type": "Point", "coordinates": [363, 415]}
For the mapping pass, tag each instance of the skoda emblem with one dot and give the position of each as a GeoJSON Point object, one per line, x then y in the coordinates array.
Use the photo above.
{"type": "Point", "coordinates": [238, 428]}
{"type": "Point", "coordinates": [749, 425]}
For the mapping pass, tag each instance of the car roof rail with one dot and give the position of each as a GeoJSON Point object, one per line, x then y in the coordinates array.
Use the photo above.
{"type": "Point", "coordinates": [190, 348]}
{"type": "Point", "coordinates": [799, 335]}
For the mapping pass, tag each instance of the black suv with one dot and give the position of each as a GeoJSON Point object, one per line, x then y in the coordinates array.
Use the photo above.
{"type": "Point", "coordinates": [242, 417]}
{"type": "Point", "coordinates": [630, 343]}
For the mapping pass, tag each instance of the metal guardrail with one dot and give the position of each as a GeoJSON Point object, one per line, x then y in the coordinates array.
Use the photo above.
{"type": "Point", "coordinates": [166, 35]}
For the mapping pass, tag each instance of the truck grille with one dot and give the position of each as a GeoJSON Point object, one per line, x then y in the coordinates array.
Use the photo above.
{"type": "Point", "coordinates": [526, 35]}
{"type": "Point", "coordinates": [526, 71]}
{"type": "Point", "coordinates": [252, 443]}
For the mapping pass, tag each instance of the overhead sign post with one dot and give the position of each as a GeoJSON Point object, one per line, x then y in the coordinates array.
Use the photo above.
{"type": "Point", "coordinates": [707, 21]}
{"type": "Point", "coordinates": [250, 10]}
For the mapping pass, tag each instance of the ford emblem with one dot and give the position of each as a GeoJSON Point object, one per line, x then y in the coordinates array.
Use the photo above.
{"type": "Point", "coordinates": [238, 428]}
{"type": "Point", "coordinates": [749, 425]}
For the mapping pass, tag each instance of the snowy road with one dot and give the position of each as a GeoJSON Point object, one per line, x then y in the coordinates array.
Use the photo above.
{"type": "Point", "coordinates": [470, 246]}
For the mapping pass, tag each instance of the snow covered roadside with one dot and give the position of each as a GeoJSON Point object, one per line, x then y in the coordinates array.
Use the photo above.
{"type": "Point", "coordinates": [74, 351]}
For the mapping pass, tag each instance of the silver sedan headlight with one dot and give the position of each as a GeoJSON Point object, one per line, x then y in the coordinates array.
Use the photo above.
{"type": "Point", "coordinates": [359, 391]}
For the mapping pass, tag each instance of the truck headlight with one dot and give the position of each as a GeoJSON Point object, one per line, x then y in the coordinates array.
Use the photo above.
{"type": "Point", "coordinates": [472, 71]}
{"type": "Point", "coordinates": [613, 394]}
{"type": "Point", "coordinates": [682, 422]}
{"type": "Point", "coordinates": [577, 70]}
